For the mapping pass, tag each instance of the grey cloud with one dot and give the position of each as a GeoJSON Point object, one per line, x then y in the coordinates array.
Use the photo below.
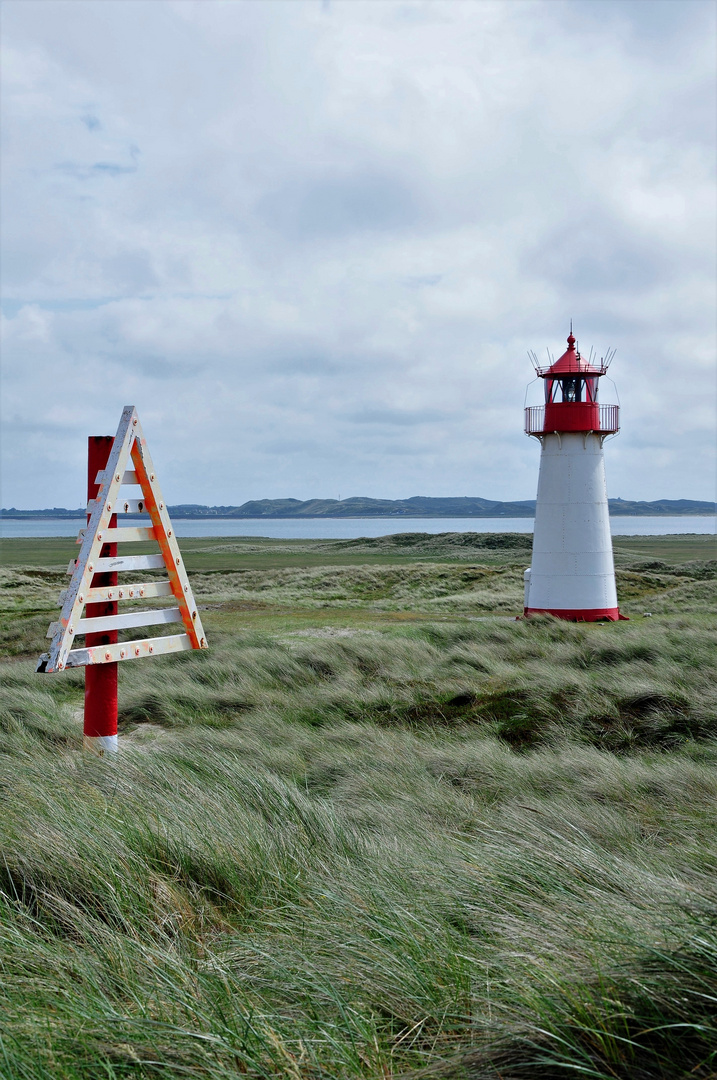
{"type": "Point", "coordinates": [111, 168]}
{"type": "Point", "coordinates": [598, 253]}
{"type": "Point", "coordinates": [157, 368]}
{"type": "Point", "coordinates": [80, 171]}
{"type": "Point", "coordinates": [17, 426]}
{"type": "Point", "coordinates": [422, 280]}
{"type": "Point", "coordinates": [338, 205]}
{"type": "Point", "coordinates": [289, 358]}
{"type": "Point", "coordinates": [10, 308]}
{"type": "Point", "coordinates": [296, 445]}
{"type": "Point", "coordinates": [660, 24]}
{"type": "Point", "coordinates": [302, 363]}
{"type": "Point", "coordinates": [397, 417]}
{"type": "Point", "coordinates": [130, 272]}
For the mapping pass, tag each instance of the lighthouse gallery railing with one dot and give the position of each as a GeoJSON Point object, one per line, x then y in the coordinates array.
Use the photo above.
{"type": "Point", "coordinates": [607, 416]}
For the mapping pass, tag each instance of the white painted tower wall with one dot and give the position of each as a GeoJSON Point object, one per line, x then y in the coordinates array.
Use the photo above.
{"type": "Point", "coordinates": [572, 565]}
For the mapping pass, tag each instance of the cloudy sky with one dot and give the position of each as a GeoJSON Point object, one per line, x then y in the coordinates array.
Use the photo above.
{"type": "Point", "coordinates": [313, 241]}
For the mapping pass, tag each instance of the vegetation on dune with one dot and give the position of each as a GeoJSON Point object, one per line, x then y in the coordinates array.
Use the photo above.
{"type": "Point", "coordinates": [529, 684]}
{"type": "Point", "coordinates": [451, 847]}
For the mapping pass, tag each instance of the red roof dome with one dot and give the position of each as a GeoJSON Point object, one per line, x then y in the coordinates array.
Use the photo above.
{"type": "Point", "coordinates": [570, 363]}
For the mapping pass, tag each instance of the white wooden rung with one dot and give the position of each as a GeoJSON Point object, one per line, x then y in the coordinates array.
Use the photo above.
{"type": "Point", "coordinates": [129, 477]}
{"type": "Point", "coordinates": [128, 620]}
{"type": "Point", "coordinates": [143, 591]}
{"type": "Point", "coordinates": [129, 562]}
{"type": "Point", "coordinates": [130, 506]}
{"type": "Point", "coordinates": [100, 623]}
{"type": "Point", "coordinates": [128, 650]}
{"type": "Point", "coordinates": [122, 506]}
{"type": "Point", "coordinates": [123, 536]}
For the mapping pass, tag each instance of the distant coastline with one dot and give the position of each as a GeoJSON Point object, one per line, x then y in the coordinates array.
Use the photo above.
{"type": "Point", "coordinates": [416, 507]}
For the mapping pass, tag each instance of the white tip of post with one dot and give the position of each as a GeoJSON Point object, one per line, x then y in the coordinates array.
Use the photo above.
{"type": "Point", "coordinates": [101, 745]}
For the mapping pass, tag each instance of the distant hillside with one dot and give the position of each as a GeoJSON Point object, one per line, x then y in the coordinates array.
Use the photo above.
{"type": "Point", "coordinates": [417, 507]}
{"type": "Point", "coordinates": [660, 506]}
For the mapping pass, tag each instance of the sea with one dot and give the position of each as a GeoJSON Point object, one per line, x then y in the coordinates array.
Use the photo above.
{"type": "Point", "coordinates": [352, 528]}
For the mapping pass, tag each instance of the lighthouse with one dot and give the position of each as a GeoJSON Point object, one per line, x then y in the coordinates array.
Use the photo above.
{"type": "Point", "coordinates": [572, 574]}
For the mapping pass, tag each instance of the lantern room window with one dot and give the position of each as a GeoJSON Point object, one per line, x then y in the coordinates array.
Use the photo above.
{"type": "Point", "coordinates": [570, 388]}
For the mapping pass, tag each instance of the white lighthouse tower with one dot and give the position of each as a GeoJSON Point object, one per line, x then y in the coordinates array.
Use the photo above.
{"type": "Point", "coordinates": [572, 574]}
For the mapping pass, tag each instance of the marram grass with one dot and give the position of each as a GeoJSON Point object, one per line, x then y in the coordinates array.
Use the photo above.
{"type": "Point", "coordinates": [478, 849]}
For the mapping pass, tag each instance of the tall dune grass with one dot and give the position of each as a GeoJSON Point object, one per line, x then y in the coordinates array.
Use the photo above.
{"type": "Point", "coordinates": [479, 849]}
{"type": "Point", "coordinates": [358, 901]}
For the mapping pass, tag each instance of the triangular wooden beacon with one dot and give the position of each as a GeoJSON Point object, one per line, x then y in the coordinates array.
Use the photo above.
{"type": "Point", "coordinates": [129, 448]}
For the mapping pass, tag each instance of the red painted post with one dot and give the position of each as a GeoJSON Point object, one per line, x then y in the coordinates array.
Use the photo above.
{"type": "Point", "coordinates": [100, 732]}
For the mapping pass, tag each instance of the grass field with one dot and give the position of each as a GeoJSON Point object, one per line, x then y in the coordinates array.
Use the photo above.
{"type": "Point", "coordinates": [379, 829]}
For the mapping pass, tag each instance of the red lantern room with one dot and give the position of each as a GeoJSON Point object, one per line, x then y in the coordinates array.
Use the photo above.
{"type": "Point", "coordinates": [571, 398]}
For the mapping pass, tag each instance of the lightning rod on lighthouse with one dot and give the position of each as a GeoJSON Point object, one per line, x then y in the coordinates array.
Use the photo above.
{"type": "Point", "coordinates": [572, 575]}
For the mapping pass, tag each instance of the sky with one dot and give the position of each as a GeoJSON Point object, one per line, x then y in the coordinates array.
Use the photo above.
{"type": "Point", "coordinates": [312, 241]}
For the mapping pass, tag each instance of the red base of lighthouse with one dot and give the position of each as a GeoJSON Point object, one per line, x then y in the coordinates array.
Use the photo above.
{"type": "Point", "coordinates": [579, 614]}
